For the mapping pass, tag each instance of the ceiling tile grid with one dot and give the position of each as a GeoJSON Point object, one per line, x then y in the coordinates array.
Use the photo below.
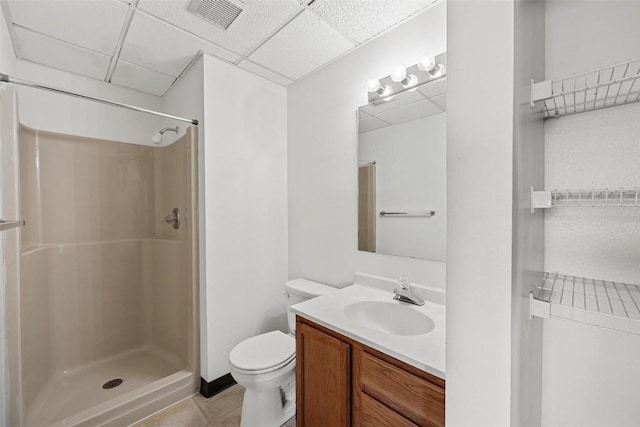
{"type": "Point", "coordinates": [436, 88]}
{"type": "Point", "coordinates": [93, 25]}
{"type": "Point", "coordinates": [264, 72]}
{"type": "Point", "coordinates": [370, 123]}
{"type": "Point", "coordinates": [406, 113]}
{"type": "Point", "coordinates": [135, 77]}
{"type": "Point", "coordinates": [258, 19]}
{"type": "Point", "coordinates": [440, 101]}
{"type": "Point", "coordinates": [154, 44]}
{"type": "Point", "coordinates": [62, 56]}
{"type": "Point", "coordinates": [302, 46]}
{"type": "Point", "coordinates": [156, 40]}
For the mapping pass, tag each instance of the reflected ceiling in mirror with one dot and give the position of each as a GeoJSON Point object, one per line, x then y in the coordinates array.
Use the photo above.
{"type": "Point", "coordinates": [402, 173]}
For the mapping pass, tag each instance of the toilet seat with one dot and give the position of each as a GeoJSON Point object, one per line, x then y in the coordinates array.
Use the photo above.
{"type": "Point", "coordinates": [263, 353]}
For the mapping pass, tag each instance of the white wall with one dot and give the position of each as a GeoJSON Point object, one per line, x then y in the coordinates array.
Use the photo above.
{"type": "Point", "coordinates": [411, 173]}
{"type": "Point", "coordinates": [186, 99]}
{"type": "Point", "coordinates": [322, 158]}
{"type": "Point", "coordinates": [590, 376]}
{"type": "Point", "coordinates": [246, 208]}
{"type": "Point", "coordinates": [479, 242]}
{"type": "Point", "coordinates": [60, 113]}
{"type": "Point", "coordinates": [528, 228]}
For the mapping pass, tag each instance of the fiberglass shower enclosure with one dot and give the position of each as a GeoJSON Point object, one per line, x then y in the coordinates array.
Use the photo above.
{"type": "Point", "coordinates": [103, 330]}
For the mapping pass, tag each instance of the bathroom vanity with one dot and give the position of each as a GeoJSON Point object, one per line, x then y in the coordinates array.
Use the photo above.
{"type": "Point", "coordinates": [364, 359]}
{"type": "Point", "coordinates": [343, 382]}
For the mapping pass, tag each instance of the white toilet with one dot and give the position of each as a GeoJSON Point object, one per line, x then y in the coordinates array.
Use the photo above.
{"type": "Point", "coordinates": [265, 365]}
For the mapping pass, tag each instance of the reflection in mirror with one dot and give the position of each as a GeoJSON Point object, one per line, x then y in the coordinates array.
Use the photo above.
{"type": "Point", "coordinates": [402, 174]}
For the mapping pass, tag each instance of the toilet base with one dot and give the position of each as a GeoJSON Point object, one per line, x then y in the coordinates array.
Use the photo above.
{"type": "Point", "coordinates": [265, 409]}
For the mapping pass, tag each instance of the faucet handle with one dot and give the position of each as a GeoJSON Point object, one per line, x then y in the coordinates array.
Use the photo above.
{"type": "Point", "coordinates": [404, 282]}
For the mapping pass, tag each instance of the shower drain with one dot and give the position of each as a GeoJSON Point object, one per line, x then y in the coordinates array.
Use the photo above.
{"type": "Point", "coordinates": [112, 383]}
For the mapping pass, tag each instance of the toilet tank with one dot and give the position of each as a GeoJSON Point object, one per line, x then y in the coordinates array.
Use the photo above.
{"type": "Point", "coordinates": [299, 290]}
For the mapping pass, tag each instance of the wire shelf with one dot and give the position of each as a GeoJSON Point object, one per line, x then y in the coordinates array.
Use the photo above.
{"type": "Point", "coordinates": [607, 87]}
{"type": "Point", "coordinates": [603, 197]}
{"type": "Point", "coordinates": [606, 304]}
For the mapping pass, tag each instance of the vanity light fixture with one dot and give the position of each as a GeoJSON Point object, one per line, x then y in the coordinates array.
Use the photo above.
{"type": "Point", "coordinates": [374, 85]}
{"type": "Point", "coordinates": [430, 68]}
{"type": "Point", "coordinates": [428, 63]}
{"type": "Point", "coordinates": [399, 75]}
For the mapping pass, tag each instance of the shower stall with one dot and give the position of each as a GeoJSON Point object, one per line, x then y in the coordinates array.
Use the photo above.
{"type": "Point", "coordinates": [102, 317]}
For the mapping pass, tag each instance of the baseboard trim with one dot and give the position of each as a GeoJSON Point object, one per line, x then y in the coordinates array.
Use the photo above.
{"type": "Point", "coordinates": [209, 389]}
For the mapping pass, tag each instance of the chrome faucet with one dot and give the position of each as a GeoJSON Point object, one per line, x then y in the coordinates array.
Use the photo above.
{"type": "Point", "coordinates": [405, 294]}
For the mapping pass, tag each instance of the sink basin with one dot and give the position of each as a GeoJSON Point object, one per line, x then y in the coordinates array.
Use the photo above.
{"type": "Point", "coordinates": [390, 317]}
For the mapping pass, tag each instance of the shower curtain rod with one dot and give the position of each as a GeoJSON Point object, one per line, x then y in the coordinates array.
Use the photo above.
{"type": "Point", "coordinates": [8, 79]}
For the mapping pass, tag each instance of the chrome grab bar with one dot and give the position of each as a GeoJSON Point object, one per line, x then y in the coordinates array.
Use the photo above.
{"type": "Point", "coordinates": [7, 225]}
{"type": "Point", "coordinates": [427, 214]}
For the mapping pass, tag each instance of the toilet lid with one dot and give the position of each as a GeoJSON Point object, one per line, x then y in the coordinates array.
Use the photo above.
{"type": "Point", "coordinates": [264, 351]}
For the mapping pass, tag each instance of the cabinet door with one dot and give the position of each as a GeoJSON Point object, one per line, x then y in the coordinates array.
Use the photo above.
{"type": "Point", "coordinates": [323, 377]}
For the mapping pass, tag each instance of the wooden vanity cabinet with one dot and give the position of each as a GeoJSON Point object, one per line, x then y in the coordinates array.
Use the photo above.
{"type": "Point", "coordinates": [341, 382]}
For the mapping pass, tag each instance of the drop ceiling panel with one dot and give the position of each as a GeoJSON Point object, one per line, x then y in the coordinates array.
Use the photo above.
{"type": "Point", "coordinates": [258, 20]}
{"type": "Point", "coordinates": [440, 101]}
{"type": "Point", "coordinates": [305, 44]}
{"type": "Point", "coordinates": [94, 25]}
{"type": "Point", "coordinates": [397, 101]}
{"type": "Point", "coordinates": [263, 72]}
{"type": "Point", "coordinates": [435, 88]}
{"type": "Point", "coordinates": [134, 77]}
{"type": "Point", "coordinates": [410, 112]}
{"type": "Point", "coordinates": [362, 114]}
{"type": "Point", "coordinates": [164, 48]}
{"type": "Point", "coordinates": [370, 123]}
{"type": "Point", "coordinates": [361, 20]}
{"type": "Point", "coordinates": [63, 56]}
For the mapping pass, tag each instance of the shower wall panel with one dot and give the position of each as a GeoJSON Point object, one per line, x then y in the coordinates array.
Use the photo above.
{"type": "Point", "coordinates": [167, 296]}
{"type": "Point", "coordinates": [103, 273]}
{"type": "Point", "coordinates": [93, 190]}
{"type": "Point", "coordinates": [36, 334]}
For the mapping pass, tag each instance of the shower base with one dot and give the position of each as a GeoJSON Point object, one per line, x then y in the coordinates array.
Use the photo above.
{"type": "Point", "coordinates": [151, 378]}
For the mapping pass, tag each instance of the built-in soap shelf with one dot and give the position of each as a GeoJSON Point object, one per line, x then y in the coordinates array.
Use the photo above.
{"type": "Point", "coordinates": [602, 303]}
{"type": "Point", "coordinates": [602, 197]}
{"type": "Point", "coordinates": [606, 87]}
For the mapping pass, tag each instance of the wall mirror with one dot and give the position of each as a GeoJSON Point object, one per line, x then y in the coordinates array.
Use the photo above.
{"type": "Point", "coordinates": [402, 174]}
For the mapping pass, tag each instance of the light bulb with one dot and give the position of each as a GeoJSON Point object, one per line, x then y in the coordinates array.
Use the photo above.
{"type": "Point", "coordinates": [399, 74]}
{"type": "Point", "coordinates": [373, 85]}
{"type": "Point", "coordinates": [427, 63]}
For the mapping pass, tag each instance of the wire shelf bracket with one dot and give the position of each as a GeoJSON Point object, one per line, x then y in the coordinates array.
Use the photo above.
{"type": "Point", "coordinates": [594, 90]}
{"type": "Point", "coordinates": [601, 197]}
{"type": "Point", "coordinates": [605, 304]}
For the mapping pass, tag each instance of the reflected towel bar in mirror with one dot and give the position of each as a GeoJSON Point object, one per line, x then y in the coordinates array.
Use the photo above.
{"type": "Point", "coordinates": [408, 213]}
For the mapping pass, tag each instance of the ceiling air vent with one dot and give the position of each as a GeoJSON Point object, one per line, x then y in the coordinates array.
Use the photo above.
{"type": "Point", "coordinates": [221, 13]}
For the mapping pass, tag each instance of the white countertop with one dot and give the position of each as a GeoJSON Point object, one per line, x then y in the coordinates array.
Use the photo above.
{"type": "Point", "coordinates": [425, 352]}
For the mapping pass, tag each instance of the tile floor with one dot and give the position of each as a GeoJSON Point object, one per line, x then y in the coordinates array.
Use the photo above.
{"type": "Point", "coordinates": [222, 410]}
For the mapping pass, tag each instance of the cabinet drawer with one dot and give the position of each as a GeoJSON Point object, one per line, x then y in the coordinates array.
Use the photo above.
{"type": "Point", "coordinates": [375, 414]}
{"type": "Point", "coordinates": [415, 398]}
